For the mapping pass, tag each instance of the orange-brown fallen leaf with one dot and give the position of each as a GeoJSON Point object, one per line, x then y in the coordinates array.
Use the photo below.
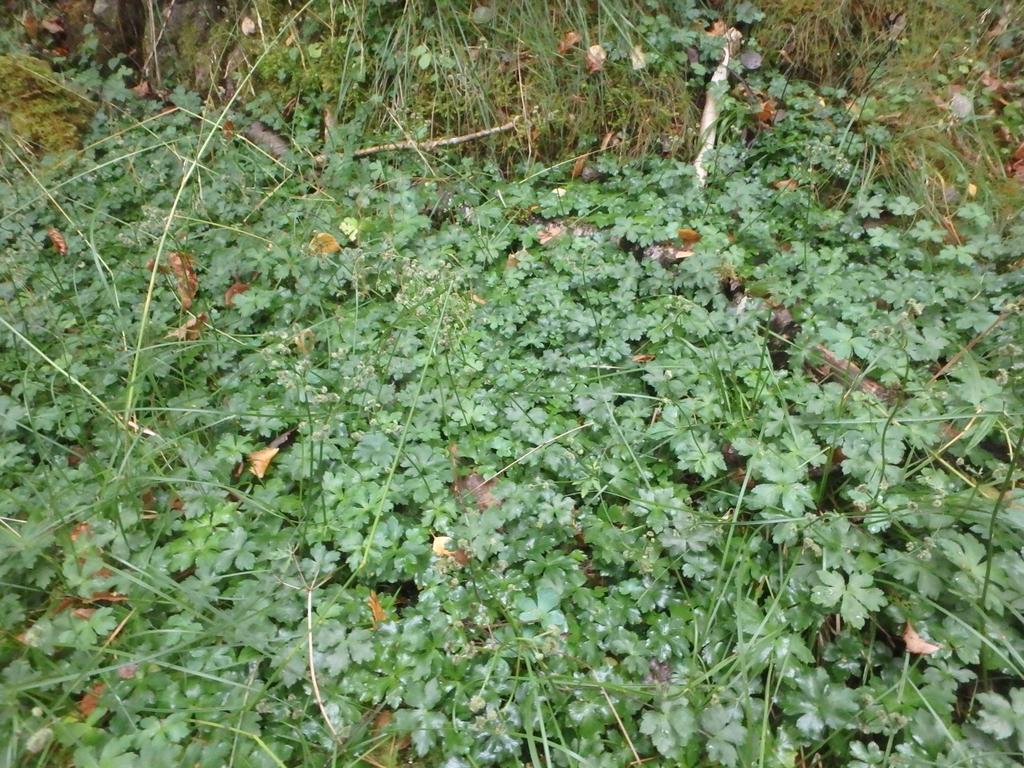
{"type": "Point", "coordinates": [786, 185]}
{"type": "Point", "coordinates": [190, 329]}
{"type": "Point", "coordinates": [718, 28]}
{"type": "Point", "coordinates": [183, 268]}
{"type": "Point", "coordinates": [324, 243]}
{"type": "Point", "coordinates": [376, 609]}
{"type": "Point", "coordinates": [568, 41]}
{"type": "Point", "coordinates": [259, 461]}
{"type": "Point", "coordinates": [766, 115]}
{"type": "Point", "coordinates": [642, 358]}
{"type": "Point", "coordinates": [477, 299]}
{"type": "Point", "coordinates": [917, 644]}
{"type": "Point", "coordinates": [848, 373]}
{"type": "Point", "coordinates": [235, 289]}
{"type": "Point", "coordinates": [91, 699]}
{"type": "Point", "coordinates": [688, 236]}
{"type": "Point", "coordinates": [474, 485]}
{"type": "Point", "coordinates": [184, 271]}
{"type": "Point", "coordinates": [59, 243]}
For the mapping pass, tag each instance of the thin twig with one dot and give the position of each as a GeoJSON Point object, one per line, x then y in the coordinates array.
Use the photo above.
{"type": "Point", "coordinates": [533, 450]}
{"type": "Point", "coordinates": [448, 141]}
{"type": "Point", "coordinates": [625, 733]}
{"type": "Point", "coordinates": [972, 343]}
{"type": "Point", "coordinates": [312, 666]}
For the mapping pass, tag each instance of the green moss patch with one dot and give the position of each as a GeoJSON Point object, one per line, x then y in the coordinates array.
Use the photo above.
{"type": "Point", "coordinates": [38, 108]}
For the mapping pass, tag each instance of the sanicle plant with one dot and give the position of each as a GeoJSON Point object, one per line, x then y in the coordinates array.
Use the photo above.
{"type": "Point", "coordinates": [427, 462]}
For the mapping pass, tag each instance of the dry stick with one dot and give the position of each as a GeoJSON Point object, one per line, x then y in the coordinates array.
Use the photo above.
{"type": "Point", "coordinates": [625, 733]}
{"type": "Point", "coordinates": [971, 344]}
{"type": "Point", "coordinates": [533, 450]}
{"type": "Point", "coordinates": [709, 118]}
{"type": "Point", "coordinates": [427, 145]}
{"type": "Point", "coordinates": [850, 374]}
{"type": "Point", "coordinates": [312, 666]}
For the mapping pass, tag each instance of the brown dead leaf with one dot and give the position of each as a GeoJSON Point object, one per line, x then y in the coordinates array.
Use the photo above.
{"type": "Point", "coordinates": [568, 41]}
{"type": "Point", "coordinates": [388, 749]}
{"type": "Point", "coordinates": [642, 358]}
{"type": "Point", "coordinates": [786, 185]}
{"type": "Point", "coordinates": [190, 329]}
{"type": "Point", "coordinates": [75, 454]}
{"type": "Point", "coordinates": [688, 236]}
{"type": "Point", "coordinates": [717, 28]}
{"type": "Point", "coordinates": [127, 671]}
{"type": "Point", "coordinates": [79, 531]}
{"type": "Point", "coordinates": [183, 269]}
{"type": "Point", "coordinates": [91, 699]}
{"type": "Point", "coordinates": [511, 261]}
{"type": "Point", "coordinates": [248, 26]}
{"type": "Point", "coordinates": [235, 289]}
{"type": "Point", "coordinates": [228, 129]}
{"type": "Point", "coordinates": [259, 461]}
{"type": "Point", "coordinates": [917, 644]}
{"type": "Point", "coordinates": [578, 166]}
{"type": "Point", "coordinates": [83, 613]}
{"type": "Point", "coordinates": [596, 56]}
{"type": "Point", "coordinates": [53, 25]}
{"type": "Point", "coordinates": [766, 115]}
{"type": "Point", "coordinates": [142, 89]}
{"type": "Point", "coordinates": [665, 253]}
{"type": "Point", "coordinates": [1015, 167]}
{"type": "Point", "coordinates": [107, 597]}
{"type": "Point", "coordinates": [31, 25]}
{"type": "Point", "coordinates": [323, 243]}
{"type": "Point", "coordinates": [440, 549]}
{"type": "Point", "coordinates": [475, 485]}
{"type": "Point", "coordinates": [847, 373]}
{"type": "Point", "coordinates": [376, 609]}
{"type": "Point", "coordinates": [549, 232]}
{"type": "Point", "coordinates": [59, 243]}
{"type": "Point", "coordinates": [304, 341]}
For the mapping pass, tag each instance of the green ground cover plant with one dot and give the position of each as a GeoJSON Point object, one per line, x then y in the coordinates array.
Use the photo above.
{"type": "Point", "coordinates": [420, 459]}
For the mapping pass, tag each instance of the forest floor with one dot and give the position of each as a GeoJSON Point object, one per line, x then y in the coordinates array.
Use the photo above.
{"type": "Point", "coordinates": [445, 456]}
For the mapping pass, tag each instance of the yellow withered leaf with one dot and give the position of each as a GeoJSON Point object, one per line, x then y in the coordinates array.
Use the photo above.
{"type": "Point", "coordinates": [688, 236]}
{"type": "Point", "coordinates": [376, 609]}
{"type": "Point", "coordinates": [259, 461]}
{"type": "Point", "coordinates": [190, 329]}
{"type": "Point", "coordinates": [324, 243]}
{"type": "Point", "coordinates": [917, 644]}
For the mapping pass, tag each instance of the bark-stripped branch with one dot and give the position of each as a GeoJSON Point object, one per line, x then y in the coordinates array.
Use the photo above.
{"type": "Point", "coordinates": [448, 141]}
{"type": "Point", "coordinates": [709, 119]}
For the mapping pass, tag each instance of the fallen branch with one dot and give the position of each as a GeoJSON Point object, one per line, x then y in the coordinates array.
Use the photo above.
{"type": "Point", "coordinates": [971, 344]}
{"type": "Point", "coordinates": [709, 118]}
{"type": "Point", "coordinates": [312, 666]}
{"type": "Point", "coordinates": [849, 374]}
{"type": "Point", "coordinates": [449, 141]}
